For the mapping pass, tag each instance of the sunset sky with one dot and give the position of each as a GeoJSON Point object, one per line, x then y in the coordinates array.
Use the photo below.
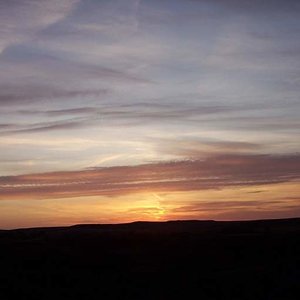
{"type": "Point", "coordinates": [118, 111]}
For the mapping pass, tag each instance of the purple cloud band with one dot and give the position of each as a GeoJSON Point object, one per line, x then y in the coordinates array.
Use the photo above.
{"type": "Point", "coordinates": [215, 172]}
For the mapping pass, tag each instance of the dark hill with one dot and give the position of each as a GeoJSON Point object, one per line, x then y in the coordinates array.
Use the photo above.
{"type": "Point", "coordinates": [153, 260]}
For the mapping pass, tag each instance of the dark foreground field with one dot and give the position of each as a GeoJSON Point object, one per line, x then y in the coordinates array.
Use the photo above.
{"type": "Point", "coordinates": [172, 260]}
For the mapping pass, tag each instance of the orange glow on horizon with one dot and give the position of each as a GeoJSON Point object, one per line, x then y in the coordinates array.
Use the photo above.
{"type": "Point", "coordinates": [234, 203]}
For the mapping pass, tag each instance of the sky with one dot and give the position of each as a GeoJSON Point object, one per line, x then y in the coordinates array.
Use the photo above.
{"type": "Point", "coordinates": [118, 111]}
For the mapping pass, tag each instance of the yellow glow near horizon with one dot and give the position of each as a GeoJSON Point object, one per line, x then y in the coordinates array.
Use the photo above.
{"type": "Point", "coordinates": [234, 203]}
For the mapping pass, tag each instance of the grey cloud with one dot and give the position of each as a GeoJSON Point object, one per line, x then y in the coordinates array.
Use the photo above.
{"type": "Point", "coordinates": [6, 126]}
{"type": "Point", "coordinates": [36, 61]}
{"type": "Point", "coordinates": [155, 112]}
{"type": "Point", "coordinates": [50, 127]}
{"type": "Point", "coordinates": [257, 6]}
{"type": "Point", "coordinates": [110, 115]}
{"type": "Point", "coordinates": [21, 94]}
{"type": "Point", "coordinates": [61, 112]}
{"type": "Point", "coordinates": [31, 77]}
{"type": "Point", "coordinates": [73, 123]}
{"type": "Point", "coordinates": [268, 123]}
{"type": "Point", "coordinates": [20, 20]}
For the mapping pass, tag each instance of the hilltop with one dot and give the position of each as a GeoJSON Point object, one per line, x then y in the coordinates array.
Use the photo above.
{"type": "Point", "coordinates": [153, 260]}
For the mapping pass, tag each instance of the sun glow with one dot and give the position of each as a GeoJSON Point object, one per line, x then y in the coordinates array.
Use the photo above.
{"type": "Point", "coordinates": [150, 208]}
{"type": "Point", "coordinates": [232, 203]}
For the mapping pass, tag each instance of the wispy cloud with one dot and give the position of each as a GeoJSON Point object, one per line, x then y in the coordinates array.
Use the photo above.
{"type": "Point", "coordinates": [22, 94]}
{"type": "Point", "coordinates": [190, 148]}
{"type": "Point", "coordinates": [34, 76]}
{"type": "Point", "coordinates": [215, 172]}
{"type": "Point", "coordinates": [256, 6]}
{"type": "Point", "coordinates": [144, 81]}
{"type": "Point", "coordinates": [20, 20]}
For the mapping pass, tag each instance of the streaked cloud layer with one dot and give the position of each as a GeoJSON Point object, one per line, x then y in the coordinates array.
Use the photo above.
{"type": "Point", "coordinates": [115, 98]}
{"type": "Point", "coordinates": [214, 172]}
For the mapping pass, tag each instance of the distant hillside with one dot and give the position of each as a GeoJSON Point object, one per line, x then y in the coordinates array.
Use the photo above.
{"type": "Point", "coordinates": [153, 260]}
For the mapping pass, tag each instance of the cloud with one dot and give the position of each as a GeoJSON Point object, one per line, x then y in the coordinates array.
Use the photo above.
{"type": "Point", "coordinates": [29, 75]}
{"type": "Point", "coordinates": [110, 114]}
{"type": "Point", "coordinates": [215, 172]}
{"type": "Point", "coordinates": [72, 123]}
{"type": "Point", "coordinates": [20, 20]}
{"type": "Point", "coordinates": [23, 94]}
{"type": "Point", "coordinates": [69, 111]}
{"type": "Point", "coordinates": [255, 6]}
{"type": "Point", "coordinates": [236, 210]}
{"type": "Point", "coordinates": [146, 70]}
{"type": "Point", "coordinates": [113, 115]}
{"type": "Point", "coordinates": [199, 148]}
{"type": "Point", "coordinates": [207, 206]}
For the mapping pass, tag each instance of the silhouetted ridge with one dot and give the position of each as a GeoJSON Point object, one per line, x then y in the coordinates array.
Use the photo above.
{"type": "Point", "coordinates": [145, 224]}
{"type": "Point", "coordinates": [153, 260]}
{"type": "Point", "coordinates": [175, 224]}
